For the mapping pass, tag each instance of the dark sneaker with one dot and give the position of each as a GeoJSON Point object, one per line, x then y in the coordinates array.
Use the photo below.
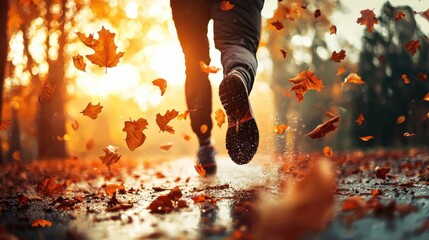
{"type": "Point", "coordinates": [242, 136]}
{"type": "Point", "coordinates": [206, 158]}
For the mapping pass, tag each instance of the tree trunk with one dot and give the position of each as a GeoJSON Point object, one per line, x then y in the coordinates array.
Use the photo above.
{"type": "Point", "coordinates": [51, 121]}
{"type": "Point", "coordinates": [3, 55]}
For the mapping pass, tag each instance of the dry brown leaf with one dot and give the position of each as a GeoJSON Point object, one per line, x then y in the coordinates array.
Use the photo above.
{"type": "Point", "coordinates": [400, 119]}
{"type": "Point", "coordinates": [354, 203]}
{"type": "Point", "coordinates": [284, 53]}
{"type": "Point", "coordinates": [90, 144]}
{"type": "Point", "coordinates": [304, 81]}
{"type": "Point", "coordinates": [407, 134]}
{"type": "Point", "coordinates": [278, 25]}
{"type": "Point", "coordinates": [333, 29]}
{"type": "Point", "coordinates": [163, 121]}
{"type": "Point", "coordinates": [184, 115]}
{"type": "Point", "coordinates": [405, 78]}
{"type": "Point", "coordinates": [376, 192]}
{"type": "Point", "coordinates": [75, 125]}
{"type": "Point", "coordinates": [341, 70]}
{"type": "Point", "coordinates": [208, 69]}
{"type": "Point", "coordinates": [135, 136]}
{"type": "Point", "coordinates": [322, 129]}
{"type": "Point", "coordinates": [111, 189]}
{"type": "Point", "coordinates": [79, 63]}
{"type": "Point", "coordinates": [200, 170]}
{"type": "Point", "coordinates": [4, 124]}
{"type": "Point", "coordinates": [422, 76]}
{"type": "Point", "coordinates": [92, 111]}
{"type": "Point", "coordinates": [337, 57]}
{"type": "Point", "coordinates": [412, 46]}
{"type": "Point", "coordinates": [166, 146]}
{"type": "Point", "coordinates": [426, 97]}
{"type": "Point", "coordinates": [317, 13]}
{"type": "Point", "coordinates": [327, 151]}
{"type": "Point", "coordinates": [105, 50]}
{"type": "Point", "coordinates": [226, 6]}
{"type": "Point", "coordinates": [381, 172]}
{"type": "Point", "coordinates": [366, 138]}
{"type": "Point", "coordinates": [399, 15]}
{"type": "Point", "coordinates": [368, 19]}
{"type": "Point", "coordinates": [353, 78]}
{"type": "Point", "coordinates": [88, 41]}
{"type": "Point", "coordinates": [16, 155]}
{"type": "Point", "coordinates": [425, 14]}
{"type": "Point", "coordinates": [47, 92]}
{"type": "Point", "coordinates": [280, 128]}
{"type": "Point", "coordinates": [219, 117]}
{"type": "Point", "coordinates": [49, 188]}
{"type": "Point", "coordinates": [360, 119]}
{"type": "Point", "coordinates": [161, 83]}
{"type": "Point", "coordinates": [41, 223]}
{"type": "Point", "coordinates": [111, 156]}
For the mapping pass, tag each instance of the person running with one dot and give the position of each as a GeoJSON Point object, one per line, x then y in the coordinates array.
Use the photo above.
{"type": "Point", "coordinates": [236, 36]}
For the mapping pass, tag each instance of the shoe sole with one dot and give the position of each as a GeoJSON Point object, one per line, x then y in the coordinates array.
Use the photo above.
{"type": "Point", "coordinates": [241, 141]}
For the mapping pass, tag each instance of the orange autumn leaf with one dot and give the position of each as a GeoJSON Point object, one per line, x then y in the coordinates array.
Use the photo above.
{"type": "Point", "coordinates": [111, 189]}
{"type": "Point", "coordinates": [412, 46]}
{"type": "Point", "coordinates": [407, 134]}
{"type": "Point", "coordinates": [161, 83]}
{"type": "Point", "coordinates": [337, 57]}
{"type": "Point", "coordinates": [380, 172]}
{"type": "Point", "coordinates": [284, 53]}
{"type": "Point", "coordinates": [16, 155]}
{"type": "Point", "coordinates": [405, 78]}
{"type": "Point", "coordinates": [399, 15]}
{"type": "Point", "coordinates": [75, 125]}
{"type": "Point", "coordinates": [135, 136]}
{"type": "Point", "coordinates": [166, 146]}
{"type": "Point", "coordinates": [376, 192]}
{"type": "Point", "coordinates": [90, 144]}
{"type": "Point", "coordinates": [425, 14]}
{"type": "Point", "coordinates": [4, 124]}
{"type": "Point", "coordinates": [354, 203]}
{"type": "Point", "coordinates": [322, 129]}
{"type": "Point", "coordinates": [208, 69]}
{"type": "Point", "coordinates": [47, 92]}
{"type": "Point", "coordinates": [341, 70]}
{"type": "Point", "coordinates": [220, 117]}
{"type": "Point", "coordinates": [204, 128]}
{"type": "Point", "coordinates": [226, 6]}
{"type": "Point", "coordinates": [400, 119]}
{"type": "Point", "coordinates": [333, 29]}
{"type": "Point", "coordinates": [368, 19]}
{"type": "Point", "coordinates": [111, 156]}
{"type": "Point", "coordinates": [88, 41]}
{"type": "Point", "coordinates": [366, 138]}
{"type": "Point", "coordinates": [79, 63]}
{"type": "Point", "coordinates": [49, 188]}
{"type": "Point", "coordinates": [183, 115]}
{"type": "Point", "coordinates": [186, 137]}
{"type": "Point", "coordinates": [92, 111]}
{"type": "Point", "coordinates": [353, 78]}
{"type": "Point", "coordinates": [280, 128]}
{"type": "Point", "coordinates": [304, 81]}
{"type": "Point", "coordinates": [200, 170]}
{"type": "Point", "coordinates": [41, 223]}
{"type": "Point", "coordinates": [278, 25]}
{"type": "Point", "coordinates": [422, 76]}
{"type": "Point", "coordinates": [327, 151]}
{"type": "Point", "coordinates": [104, 50]}
{"type": "Point", "coordinates": [200, 198]}
{"type": "Point", "coordinates": [163, 121]}
{"type": "Point", "coordinates": [426, 97]}
{"type": "Point", "coordinates": [360, 119]}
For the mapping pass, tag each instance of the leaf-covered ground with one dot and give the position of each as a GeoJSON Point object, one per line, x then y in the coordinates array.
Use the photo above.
{"type": "Point", "coordinates": [377, 195]}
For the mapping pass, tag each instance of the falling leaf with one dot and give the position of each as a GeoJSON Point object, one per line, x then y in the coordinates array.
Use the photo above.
{"type": "Point", "coordinates": [284, 53]}
{"type": "Point", "coordinates": [337, 57]}
{"type": "Point", "coordinates": [200, 198]}
{"type": "Point", "coordinates": [105, 50]}
{"type": "Point", "coordinates": [304, 81]}
{"type": "Point", "coordinates": [380, 172]}
{"type": "Point", "coordinates": [161, 83]}
{"type": "Point", "coordinates": [426, 97]}
{"type": "Point", "coordinates": [333, 29]}
{"type": "Point", "coordinates": [90, 144]}
{"type": "Point", "coordinates": [204, 128]}
{"type": "Point", "coordinates": [322, 129]}
{"type": "Point", "coordinates": [4, 124]}
{"type": "Point", "coordinates": [135, 136]}
{"type": "Point", "coordinates": [400, 119]}
{"type": "Point", "coordinates": [79, 63]}
{"type": "Point", "coordinates": [360, 119]}
{"type": "Point", "coordinates": [317, 13]}
{"type": "Point", "coordinates": [280, 128]}
{"type": "Point", "coordinates": [219, 117]}
{"type": "Point", "coordinates": [407, 134]}
{"type": "Point", "coordinates": [92, 111]}
{"type": "Point", "coordinates": [41, 223]}
{"type": "Point", "coordinates": [200, 170]}
{"type": "Point", "coordinates": [88, 41]}
{"type": "Point", "coordinates": [341, 70]}
{"type": "Point", "coordinates": [368, 19]}
{"type": "Point", "coordinates": [327, 151]}
{"type": "Point", "coordinates": [183, 115]}
{"type": "Point", "coordinates": [75, 125]}
{"type": "Point", "coordinates": [412, 46]}
{"type": "Point", "coordinates": [423, 76]}
{"type": "Point", "coordinates": [162, 121]}
{"type": "Point", "coordinates": [399, 15]}
{"type": "Point", "coordinates": [111, 156]}
{"type": "Point", "coordinates": [366, 138]}
{"type": "Point", "coordinates": [405, 78]}
{"type": "Point", "coordinates": [186, 137]}
{"type": "Point", "coordinates": [166, 146]}
{"type": "Point", "coordinates": [278, 25]}
{"type": "Point", "coordinates": [353, 78]}
{"type": "Point", "coordinates": [168, 203]}
{"type": "Point", "coordinates": [47, 92]}
{"type": "Point", "coordinates": [49, 188]}
{"type": "Point", "coordinates": [111, 189]}
{"type": "Point", "coordinates": [425, 14]}
{"type": "Point", "coordinates": [16, 155]}
{"type": "Point", "coordinates": [208, 69]}
{"type": "Point", "coordinates": [226, 6]}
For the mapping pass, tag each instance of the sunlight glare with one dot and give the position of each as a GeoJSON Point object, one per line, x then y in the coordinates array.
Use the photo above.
{"type": "Point", "coordinates": [132, 10]}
